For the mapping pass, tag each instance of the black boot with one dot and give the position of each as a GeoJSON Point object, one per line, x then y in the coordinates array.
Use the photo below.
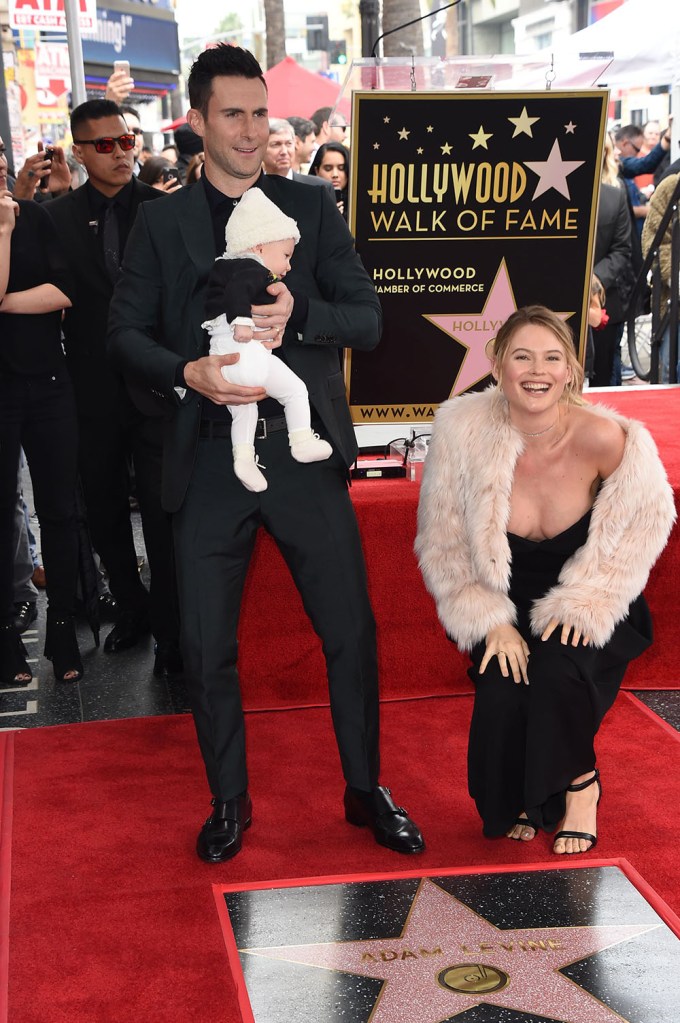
{"type": "Point", "coordinates": [61, 647]}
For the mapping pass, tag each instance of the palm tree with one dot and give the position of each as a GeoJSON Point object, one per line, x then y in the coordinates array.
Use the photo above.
{"type": "Point", "coordinates": [275, 27]}
{"type": "Point", "coordinates": [409, 41]}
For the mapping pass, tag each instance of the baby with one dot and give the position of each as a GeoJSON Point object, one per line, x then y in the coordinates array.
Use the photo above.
{"type": "Point", "coordinates": [260, 242]}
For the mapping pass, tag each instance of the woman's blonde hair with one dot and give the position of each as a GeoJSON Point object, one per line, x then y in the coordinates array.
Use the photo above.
{"type": "Point", "coordinates": [610, 164]}
{"type": "Point", "coordinates": [541, 316]}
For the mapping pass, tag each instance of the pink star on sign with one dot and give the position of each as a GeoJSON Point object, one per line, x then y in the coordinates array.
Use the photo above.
{"type": "Point", "coordinates": [449, 959]}
{"type": "Point", "coordinates": [475, 330]}
{"type": "Point", "coordinates": [553, 172]}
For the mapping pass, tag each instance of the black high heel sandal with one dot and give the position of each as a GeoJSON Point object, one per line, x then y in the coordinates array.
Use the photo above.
{"type": "Point", "coordinates": [61, 647]}
{"type": "Point", "coordinates": [13, 657]}
{"type": "Point", "coordinates": [523, 822]}
{"type": "Point", "coordinates": [583, 834]}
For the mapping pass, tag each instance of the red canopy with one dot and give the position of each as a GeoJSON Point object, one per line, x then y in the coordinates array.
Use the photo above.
{"type": "Point", "coordinates": [296, 92]}
{"type": "Point", "coordinates": [293, 92]}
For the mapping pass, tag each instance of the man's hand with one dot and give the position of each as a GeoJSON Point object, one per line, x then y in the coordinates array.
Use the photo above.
{"type": "Point", "coordinates": [119, 87]}
{"type": "Point", "coordinates": [171, 185]}
{"type": "Point", "coordinates": [272, 319]}
{"type": "Point", "coordinates": [205, 376]}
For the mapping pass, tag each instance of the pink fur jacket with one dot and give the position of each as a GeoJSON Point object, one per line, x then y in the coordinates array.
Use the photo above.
{"type": "Point", "coordinates": [462, 546]}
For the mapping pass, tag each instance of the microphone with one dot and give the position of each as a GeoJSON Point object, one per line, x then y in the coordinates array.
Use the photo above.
{"type": "Point", "coordinates": [406, 24]}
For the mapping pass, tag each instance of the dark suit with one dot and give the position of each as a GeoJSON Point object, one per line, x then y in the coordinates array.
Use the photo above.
{"type": "Point", "coordinates": [614, 267]}
{"type": "Point", "coordinates": [110, 427]}
{"type": "Point", "coordinates": [312, 179]}
{"type": "Point", "coordinates": [306, 507]}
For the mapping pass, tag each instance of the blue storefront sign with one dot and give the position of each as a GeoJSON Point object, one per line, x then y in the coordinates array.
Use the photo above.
{"type": "Point", "coordinates": [148, 43]}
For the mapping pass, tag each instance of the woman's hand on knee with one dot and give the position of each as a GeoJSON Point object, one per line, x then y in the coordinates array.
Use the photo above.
{"type": "Point", "coordinates": [507, 644]}
{"type": "Point", "coordinates": [567, 631]}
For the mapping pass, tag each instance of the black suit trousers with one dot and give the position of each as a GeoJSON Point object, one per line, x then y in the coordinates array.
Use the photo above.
{"type": "Point", "coordinates": [106, 447]}
{"type": "Point", "coordinates": [307, 510]}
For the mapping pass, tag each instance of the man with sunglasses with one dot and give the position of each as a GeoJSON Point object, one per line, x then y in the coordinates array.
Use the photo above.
{"type": "Point", "coordinates": [94, 222]}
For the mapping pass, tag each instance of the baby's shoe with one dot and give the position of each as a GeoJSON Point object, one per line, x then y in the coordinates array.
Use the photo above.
{"type": "Point", "coordinates": [307, 446]}
{"type": "Point", "coordinates": [246, 468]}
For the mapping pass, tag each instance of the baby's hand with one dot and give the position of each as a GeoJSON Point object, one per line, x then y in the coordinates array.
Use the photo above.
{"type": "Point", "coordinates": [243, 333]}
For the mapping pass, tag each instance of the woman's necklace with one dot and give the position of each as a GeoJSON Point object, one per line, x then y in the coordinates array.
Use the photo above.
{"type": "Point", "coordinates": [540, 433]}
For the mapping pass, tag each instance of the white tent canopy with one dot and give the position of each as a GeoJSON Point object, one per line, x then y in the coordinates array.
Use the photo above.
{"type": "Point", "coordinates": [644, 36]}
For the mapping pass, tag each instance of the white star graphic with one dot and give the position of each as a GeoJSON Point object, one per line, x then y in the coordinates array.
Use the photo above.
{"type": "Point", "coordinates": [553, 172]}
{"type": "Point", "coordinates": [480, 137]}
{"type": "Point", "coordinates": [430, 128]}
{"type": "Point", "coordinates": [386, 120]}
{"type": "Point", "coordinates": [403, 134]}
{"type": "Point", "coordinates": [446, 149]}
{"type": "Point", "coordinates": [570, 128]}
{"type": "Point", "coordinates": [419, 150]}
{"type": "Point", "coordinates": [376, 145]}
{"type": "Point", "coordinates": [523, 123]}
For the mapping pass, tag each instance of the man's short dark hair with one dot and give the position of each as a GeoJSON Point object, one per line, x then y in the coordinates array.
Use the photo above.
{"type": "Point", "coordinates": [93, 110]}
{"type": "Point", "coordinates": [319, 116]}
{"type": "Point", "coordinates": [628, 131]}
{"type": "Point", "coordinates": [302, 126]}
{"type": "Point", "coordinates": [220, 60]}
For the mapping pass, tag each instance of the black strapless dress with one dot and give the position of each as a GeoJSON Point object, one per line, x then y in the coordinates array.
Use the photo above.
{"type": "Point", "coordinates": [527, 743]}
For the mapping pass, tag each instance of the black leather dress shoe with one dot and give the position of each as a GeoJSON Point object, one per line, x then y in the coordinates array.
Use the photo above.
{"type": "Point", "coordinates": [168, 661]}
{"type": "Point", "coordinates": [25, 614]}
{"type": "Point", "coordinates": [127, 632]}
{"type": "Point", "coordinates": [391, 825]}
{"type": "Point", "coordinates": [221, 836]}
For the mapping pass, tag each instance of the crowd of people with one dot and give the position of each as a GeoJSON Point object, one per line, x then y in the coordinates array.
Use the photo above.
{"type": "Point", "coordinates": [127, 330]}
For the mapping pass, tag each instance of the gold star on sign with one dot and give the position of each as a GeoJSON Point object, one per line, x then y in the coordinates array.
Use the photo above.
{"type": "Point", "coordinates": [446, 149]}
{"type": "Point", "coordinates": [570, 128]}
{"type": "Point", "coordinates": [376, 145]}
{"type": "Point", "coordinates": [403, 134]}
{"type": "Point", "coordinates": [523, 123]}
{"type": "Point", "coordinates": [386, 120]}
{"type": "Point", "coordinates": [480, 137]}
{"type": "Point", "coordinates": [430, 128]}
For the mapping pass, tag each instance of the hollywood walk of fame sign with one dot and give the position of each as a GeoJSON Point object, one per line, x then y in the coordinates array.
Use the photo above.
{"type": "Point", "coordinates": [466, 206]}
{"type": "Point", "coordinates": [575, 945]}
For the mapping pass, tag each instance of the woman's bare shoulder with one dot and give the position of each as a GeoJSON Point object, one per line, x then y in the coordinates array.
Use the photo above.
{"type": "Point", "coordinates": [600, 437]}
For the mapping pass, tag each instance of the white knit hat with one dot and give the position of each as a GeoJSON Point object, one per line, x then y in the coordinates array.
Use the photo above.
{"type": "Point", "coordinates": [256, 221]}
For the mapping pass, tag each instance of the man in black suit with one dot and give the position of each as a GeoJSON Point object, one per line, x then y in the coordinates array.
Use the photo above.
{"type": "Point", "coordinates": [93, 223]}
{"type": "Point", "coordinates": [155, 337]}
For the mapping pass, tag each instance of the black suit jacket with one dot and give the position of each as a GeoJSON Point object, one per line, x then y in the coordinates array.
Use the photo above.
{"type": "Point", "coordinates": [613, 250]}
{"type": "Point", "coordinates": [97, 387]}
{"type": "Point", "coordinates": [313, 179]}
{"type": "Point", "coordinates": [159, 305]}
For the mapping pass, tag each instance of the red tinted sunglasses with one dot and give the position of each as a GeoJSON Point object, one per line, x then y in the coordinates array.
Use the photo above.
{"type": "Point", "coordinates": [107, 144]}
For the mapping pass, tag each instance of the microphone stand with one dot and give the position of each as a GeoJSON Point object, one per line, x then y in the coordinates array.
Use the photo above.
{"type": "Point", "coordinates": [406, 24]}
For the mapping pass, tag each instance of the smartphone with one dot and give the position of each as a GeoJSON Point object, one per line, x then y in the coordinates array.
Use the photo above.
{"type": "Point", "coordinates": [122, 65]}
{"type": "Point", "coordinates": [170, 174]}
{"type": "Point", "coordinates": [45, 179]}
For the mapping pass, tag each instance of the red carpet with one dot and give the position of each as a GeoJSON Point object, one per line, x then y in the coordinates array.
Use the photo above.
{"type": "Point", "coordinates": [112, 918]}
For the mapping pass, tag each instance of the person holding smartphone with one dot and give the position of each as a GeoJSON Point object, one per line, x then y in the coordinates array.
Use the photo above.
{"type": "Point", "coordinates": [159, 173]}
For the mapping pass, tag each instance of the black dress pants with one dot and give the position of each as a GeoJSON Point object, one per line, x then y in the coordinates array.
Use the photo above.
{"type": "Point", "coordinates": [106, 446]}
{"type": "Point", "coordinates": [307, 510]}
{"type": "Point", "coordinates": [38, 413]}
